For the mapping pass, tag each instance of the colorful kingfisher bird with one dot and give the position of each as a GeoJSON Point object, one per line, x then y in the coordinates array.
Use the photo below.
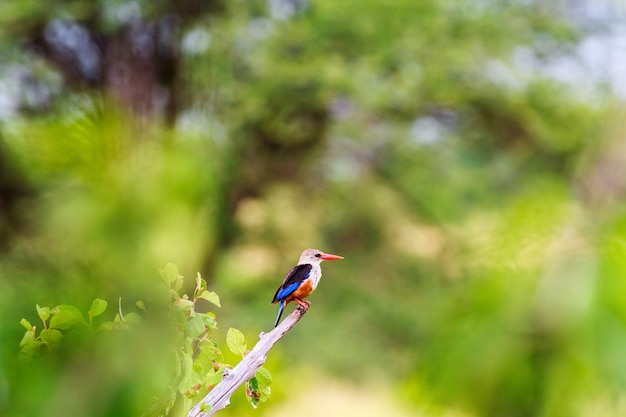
{"type": "Point", "coordinates": [302, 280]}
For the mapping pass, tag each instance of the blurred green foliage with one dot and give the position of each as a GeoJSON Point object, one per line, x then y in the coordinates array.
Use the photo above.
{"type": "Point", "coordinates": [478, 200]}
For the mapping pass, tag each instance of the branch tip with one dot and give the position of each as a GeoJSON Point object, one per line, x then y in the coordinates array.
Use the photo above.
{"type": "Point", "coordinates": [219, 397]}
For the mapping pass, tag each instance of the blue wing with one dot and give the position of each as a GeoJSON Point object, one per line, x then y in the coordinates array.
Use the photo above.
{"type": "Point", "coordinates": [292, 281]}
{"type": "Point", "coordinates": [284, 292]}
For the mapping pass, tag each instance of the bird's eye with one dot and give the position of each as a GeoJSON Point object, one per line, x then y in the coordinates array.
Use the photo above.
{"type": "Point", "coordinates": [317, 255]}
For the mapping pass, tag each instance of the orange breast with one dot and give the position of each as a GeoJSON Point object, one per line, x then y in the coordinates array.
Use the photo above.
{"type": "Point", "coordinates": [303, 291]}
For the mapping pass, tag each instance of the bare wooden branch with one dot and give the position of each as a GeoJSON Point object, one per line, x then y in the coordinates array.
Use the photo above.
{"type": "Point", "coordinates": [219, 397]}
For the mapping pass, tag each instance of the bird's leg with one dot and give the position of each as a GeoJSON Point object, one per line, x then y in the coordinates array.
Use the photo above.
{"type": "Point", "coordinates": [303, 303]}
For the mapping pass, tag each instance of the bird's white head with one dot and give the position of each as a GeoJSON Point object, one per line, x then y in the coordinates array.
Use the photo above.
{"type": "Point", "coordinates": [314, 256]}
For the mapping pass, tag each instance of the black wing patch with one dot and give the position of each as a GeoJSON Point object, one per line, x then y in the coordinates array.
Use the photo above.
{"type": "Point", "coordinates": [292, 281]}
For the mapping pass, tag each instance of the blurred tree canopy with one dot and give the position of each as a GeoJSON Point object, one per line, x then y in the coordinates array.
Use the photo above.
{"type": "Point", "coordinates": [476, 192]}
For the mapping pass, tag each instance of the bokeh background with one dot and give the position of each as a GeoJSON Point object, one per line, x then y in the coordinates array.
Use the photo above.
{"type": "Point", "coordinates": [467, 158]}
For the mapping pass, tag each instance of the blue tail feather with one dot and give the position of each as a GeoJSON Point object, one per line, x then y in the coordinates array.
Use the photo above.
{"type": "Point", "coordinates": [280, 312]}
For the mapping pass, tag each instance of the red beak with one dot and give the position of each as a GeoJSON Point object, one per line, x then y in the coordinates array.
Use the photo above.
{"type": "Point", "coordinates": [329, 257]}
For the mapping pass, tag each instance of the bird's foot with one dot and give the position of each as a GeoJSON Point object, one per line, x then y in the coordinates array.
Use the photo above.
{"type": "Point", "coordinates": [302, 303]}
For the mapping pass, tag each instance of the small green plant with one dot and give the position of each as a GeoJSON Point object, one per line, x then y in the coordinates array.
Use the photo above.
{"type": "Point", "coordinates": [198, 361]}
{"type": "Point", "coordinates": [55, 320]}
{"type": "Point", "coordinates": [257, 388]}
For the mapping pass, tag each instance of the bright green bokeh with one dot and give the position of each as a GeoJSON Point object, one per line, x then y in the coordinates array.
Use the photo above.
{"type": "Point", "coordinates": [479, 206]}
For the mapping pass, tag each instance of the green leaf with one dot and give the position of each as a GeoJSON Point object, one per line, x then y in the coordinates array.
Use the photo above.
{"type": "Point", "coordinates": [187, 402]}
{"type": "Point", "coordinates": [179, 363]}
{"type": "Point", "coordinates": [29, 349]}
{"type": "Point", "coordinates": [208, 319]}
{"type": "Point", "coordinates": [263, 376]}
{"type": "Point", "coordinates": [212, 351]}
{"type": "Point", "coordinates": [264, 379]}
{"type": "Point", "coordinates": [236, 342]}
{"type": "Point", "coordinates": [179, 283]}
{"type": "Point", "coordinates": [140, 305]}
{"type": "Point", "coordinates": [195, 326]}
{"type": "Point", "coordinates": [252, 392]}
{"type": "Point", "coordinates": [51, 337]}
{"type": "Point", "coordinates": [265, 392]}
{"type": "Point", "coordinates": [107, 326]}
{"type": "Point", "coordinates": [29, 337]}
{"type": "Point", "coordinates": [186, 372]}
{"type": "Point", "coordinates": [196, 383]}
{"type": "Point", "coordinates": [65, 316]}
{"type": "Point", "coordinates": [177, 318]}
{"type": "Point", "coordinates": [211, 297]}
{"type": "Point", "coordinates": [132, 318]}
{"type": "Point", "coordinates": [213, 378]}
{"type": "Point", "coordinates": [198, 369]}
{"type": "Point", "coordinates": [170, 273]}
{"type": "Point", "coordinates": [97, 307]}
{"type": "Point", "coordinates": [43, 312]}
{"type": "Point", "coordinates": [184, 305]}
{"type": "Point", "coordinates": [172, 276]}
{"type": "Point", "coordinates": [26, 324]}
